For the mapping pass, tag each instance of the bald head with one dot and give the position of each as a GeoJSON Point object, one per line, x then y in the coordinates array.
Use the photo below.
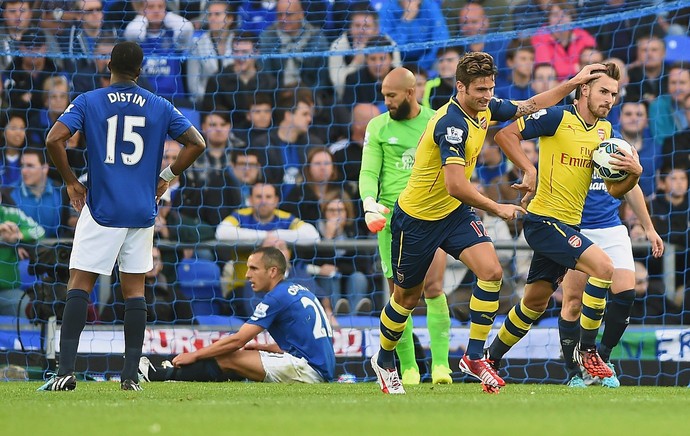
{"type": "Point", "coordinates": [400, 78]}
{"type": "Point", "coordinates": [362, 113]}
{"type": "Point", "coordinates": [398, 89]}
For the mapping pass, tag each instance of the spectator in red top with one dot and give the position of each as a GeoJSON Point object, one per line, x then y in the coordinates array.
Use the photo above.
{"type": "Point", "coordinates": [562, 48]}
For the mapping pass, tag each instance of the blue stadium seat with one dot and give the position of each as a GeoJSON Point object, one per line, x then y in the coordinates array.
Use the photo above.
{"type": "Point", "coordinates": [551, 321]}
{"type": "Point", "coordinates": [12, 320]}
{"type": "Point", "coordinates": [356, 321]}
{"type": "Point", "coordinates": [27, 279]}
{"type": "Point", "coordinates": [220, 321]}
{"type": "Point", "coordinates": [677, 48]}
{"type": "Point", "coordinates": [199, 280]}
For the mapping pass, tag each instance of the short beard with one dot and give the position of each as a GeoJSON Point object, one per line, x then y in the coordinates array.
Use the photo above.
{"type": "Point", "coordinates": [402, 112]}
{"type": "Point", "coordinates": [596, 111]}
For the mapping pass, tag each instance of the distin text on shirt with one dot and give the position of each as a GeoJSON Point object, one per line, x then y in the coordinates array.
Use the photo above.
{"type": "Point", "coordinates": [127, 97]}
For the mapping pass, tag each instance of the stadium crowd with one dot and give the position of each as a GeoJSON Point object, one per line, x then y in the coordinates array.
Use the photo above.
{"type": "Point", "coordinates": [283, 90]}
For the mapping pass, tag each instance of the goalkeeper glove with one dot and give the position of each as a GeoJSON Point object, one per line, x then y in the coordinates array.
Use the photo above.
{"type": "Point", "coordinates": [373, 215]}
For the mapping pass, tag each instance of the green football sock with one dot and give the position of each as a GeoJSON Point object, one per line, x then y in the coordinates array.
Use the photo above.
{"type": "Point", "coordinates": [405, 348]}
{"type": "Point", "coordinates": [438, 322]}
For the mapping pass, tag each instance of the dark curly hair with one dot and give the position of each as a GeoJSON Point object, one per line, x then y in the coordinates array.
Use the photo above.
{"type": "Point", "coordinates": [474, 65]}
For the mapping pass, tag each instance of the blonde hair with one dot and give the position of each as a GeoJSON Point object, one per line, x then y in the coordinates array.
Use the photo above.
{"type": "Point", "coordinates": [51, 83]}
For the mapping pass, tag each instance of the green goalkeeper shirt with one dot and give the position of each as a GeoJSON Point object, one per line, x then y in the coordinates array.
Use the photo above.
{"type": "Point", "coordinates": [388, 155]}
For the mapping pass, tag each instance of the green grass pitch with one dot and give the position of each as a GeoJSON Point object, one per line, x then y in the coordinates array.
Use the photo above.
{"type": "Point", "coordinates": [350, 409]}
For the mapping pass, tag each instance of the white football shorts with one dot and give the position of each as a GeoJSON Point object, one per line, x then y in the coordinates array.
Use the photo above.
{"type": "Point", "coordinates": [615, 241]}
{"type": "Point", "coordinates": [286, 368]}
{"type": "Point", "coordinates": [96, 248]}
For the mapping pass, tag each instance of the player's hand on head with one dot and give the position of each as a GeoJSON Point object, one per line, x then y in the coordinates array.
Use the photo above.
{"type": "Point", "coordinates": [656, 241]}
{"type": "Point", "coordinates": [373, 214]}
{"type": "Point", "coordinates": [77, 195]}
{"type": "Point", "coordinates": [588, 73]}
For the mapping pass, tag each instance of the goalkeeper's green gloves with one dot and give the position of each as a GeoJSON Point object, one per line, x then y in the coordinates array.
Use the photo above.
{"type": "Point", "coordinates": [373, 214]}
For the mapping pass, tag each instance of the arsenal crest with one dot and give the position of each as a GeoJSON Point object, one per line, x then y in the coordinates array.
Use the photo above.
{"type": "Point", "coordinates": [602, 134]}
{"type": "Point", "coordinates": [575, 241]}
{"type": "Point", "coordinates": [483, 123]}
{"type": "Point", "coordinates": [401, 276]}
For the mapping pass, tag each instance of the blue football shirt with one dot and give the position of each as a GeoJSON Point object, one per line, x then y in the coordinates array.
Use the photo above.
{"type": "Point", "coordinates": [125, 127]}
{"type": "Point", "coordinates": [601, 209]}
{"type": "Point", "coordinates": [296, 321]}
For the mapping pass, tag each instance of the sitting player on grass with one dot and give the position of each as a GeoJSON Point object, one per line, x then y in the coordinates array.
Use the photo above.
{"type": "Point", "coordinates": [303, 351]}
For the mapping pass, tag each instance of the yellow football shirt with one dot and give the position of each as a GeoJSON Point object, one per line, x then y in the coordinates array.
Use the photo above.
{"type": "Point", "coordinates": [450, 137]}
{"type": "Point", "coordinates": [566, 144]}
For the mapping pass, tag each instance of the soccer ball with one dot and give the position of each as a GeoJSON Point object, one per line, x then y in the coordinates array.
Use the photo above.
{"type": "Point", "coordinates": [601, 157]}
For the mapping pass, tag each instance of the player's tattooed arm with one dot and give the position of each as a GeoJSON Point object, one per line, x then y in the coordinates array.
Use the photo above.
{"type": "Point", "coordinates": [194, 145]}
{"type": "Point", "coordinates": [555, 95]}
{"type": "Point", "coordinates": [525, 107]}
{"type": "Point", "coordinates": [191, 137]}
